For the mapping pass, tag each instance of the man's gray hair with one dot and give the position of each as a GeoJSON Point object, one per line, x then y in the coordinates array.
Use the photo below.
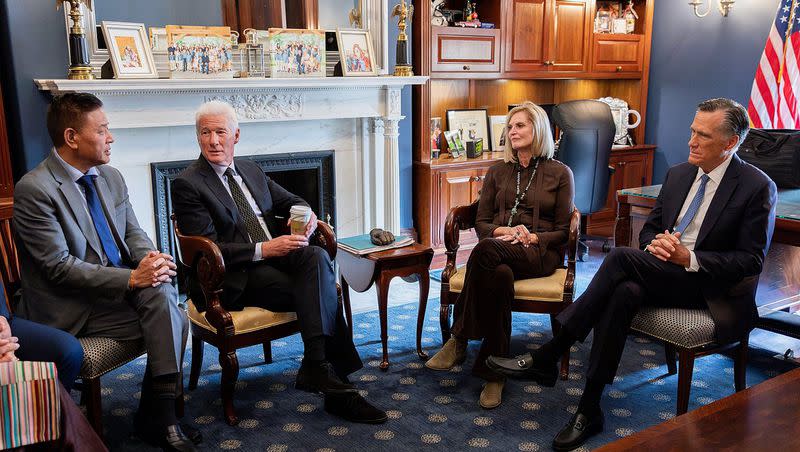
{"type": "Point", "coordinates": [736, 121]}
{"type": "Point", "coordinates": [216, 108]}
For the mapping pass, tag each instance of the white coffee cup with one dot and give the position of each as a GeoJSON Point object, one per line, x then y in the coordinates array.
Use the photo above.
{"type": "Point", "coordinates": [299, 217]}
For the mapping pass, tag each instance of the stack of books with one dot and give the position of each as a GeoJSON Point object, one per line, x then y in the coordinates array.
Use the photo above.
{"type": "Point", "coordinates": [361, 244]}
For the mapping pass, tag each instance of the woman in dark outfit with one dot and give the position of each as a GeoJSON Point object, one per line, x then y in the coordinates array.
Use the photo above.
{"type": "Point", "coordinates": [523, 219]}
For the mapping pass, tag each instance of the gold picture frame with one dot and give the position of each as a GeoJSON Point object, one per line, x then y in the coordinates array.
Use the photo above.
{"type": "Point", "coordinates": [199, 52]}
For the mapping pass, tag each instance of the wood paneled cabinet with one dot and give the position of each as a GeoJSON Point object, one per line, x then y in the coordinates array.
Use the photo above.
{"type": "Point", "coordinates": [465, 51]}
{"type": "Point", "coordinates": [545, 51]}
{"type": "Point", "coordinates": [546, 35]}
{"type": "Point", "coordinates": [633, 167]}
{"type": "Point", "coordinates": [617, 53]}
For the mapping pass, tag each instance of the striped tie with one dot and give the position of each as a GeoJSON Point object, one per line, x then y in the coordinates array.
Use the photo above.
{"type": "Point", "coordinates": [694, 206]}
{"type": "Point", "coordinates": [254, 228]}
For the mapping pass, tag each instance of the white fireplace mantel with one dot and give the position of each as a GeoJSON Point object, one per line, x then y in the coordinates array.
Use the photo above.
{"type": "Point", "coordinates": [356, 116]}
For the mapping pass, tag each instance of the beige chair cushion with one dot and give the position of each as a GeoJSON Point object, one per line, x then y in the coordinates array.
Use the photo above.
{"type": "Point", "coordinates": [245, 321]}
{"type": "Point", "coordinates": [548, 288]}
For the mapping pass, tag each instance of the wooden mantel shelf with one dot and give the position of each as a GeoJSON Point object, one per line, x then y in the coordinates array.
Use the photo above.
{"type": "Point", "coordinates": [134, 86]}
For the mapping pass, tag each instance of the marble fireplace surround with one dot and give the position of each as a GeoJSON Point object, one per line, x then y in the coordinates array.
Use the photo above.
{"type": "Point", "coordinates": [357, 117]}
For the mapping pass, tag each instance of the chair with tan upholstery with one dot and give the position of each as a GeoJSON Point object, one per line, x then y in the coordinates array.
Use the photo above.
{"type": "Point", "coordinates": [547, 295]}
{"type": "Point", "coordinates": [232, 330]}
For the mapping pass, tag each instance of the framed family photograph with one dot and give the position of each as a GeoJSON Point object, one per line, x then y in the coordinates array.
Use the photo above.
{"type": "Point", "coordinates": [497, 128]}
{"type": "Point", "coordinates": [296, 53]}
{"type": "Point", "coordinates": [355, 53]}
{"type": "Point", "coordinates": [129, 50]}
{"type": "Point", "coordinates": [471, 124]}
{"type": "Point", "coordinates": [199, 52]}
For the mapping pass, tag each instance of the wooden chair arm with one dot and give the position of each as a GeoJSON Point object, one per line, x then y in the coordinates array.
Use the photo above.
{"type": "Point", "coordinates": [459, 219]}
{"type": "Point", "coordinates": [572, 251]}
{"type": "Point", "coordinates": [325, 237]}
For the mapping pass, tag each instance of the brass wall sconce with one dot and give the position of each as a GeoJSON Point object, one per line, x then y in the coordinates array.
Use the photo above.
{"type": "Point", "coordinates": [724, 7]}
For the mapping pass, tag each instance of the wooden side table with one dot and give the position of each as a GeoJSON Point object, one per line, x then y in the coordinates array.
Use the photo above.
{"type": "Point", "coordinates": [360, 272]}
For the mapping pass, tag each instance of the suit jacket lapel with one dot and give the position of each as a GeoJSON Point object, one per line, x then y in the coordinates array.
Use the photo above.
{"type": "Point", "coordinates": [104, 193]}
{"type": "Point", "coordinates": [673, 204]}
{"type": "Point", "coordinates": [215, 185]}
{"type": "Point", "coordinates": [256, 185]}
{"type": "Point", "coordinates": [726, 188]}
{"type": "Point", "coordinates": [76, 203]}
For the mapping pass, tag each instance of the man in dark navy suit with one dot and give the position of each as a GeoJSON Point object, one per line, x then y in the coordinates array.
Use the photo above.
{"type": "Point", "coordinates": [708, 233]}
{"type": "Point", "coordinates": [237, 206]}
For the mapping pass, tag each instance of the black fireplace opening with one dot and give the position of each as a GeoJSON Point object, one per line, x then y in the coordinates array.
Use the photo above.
{"type": "Point", "coordinates": [309, 175]}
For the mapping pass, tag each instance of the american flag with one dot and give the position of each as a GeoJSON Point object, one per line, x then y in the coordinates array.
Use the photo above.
{"type": "Point", "coordinates": [773, 99]}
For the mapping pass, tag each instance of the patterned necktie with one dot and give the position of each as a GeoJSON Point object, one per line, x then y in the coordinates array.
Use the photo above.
{"type": "Point", "coordinates": [694, 206]}
{"type": "Point", "coordinates": [100, 221]}
{"type": "Point", "coordinates": [254, 228]}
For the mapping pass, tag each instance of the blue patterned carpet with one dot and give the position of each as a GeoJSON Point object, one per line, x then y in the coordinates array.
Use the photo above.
{"type": "Point", "coordinates": [428, 410]}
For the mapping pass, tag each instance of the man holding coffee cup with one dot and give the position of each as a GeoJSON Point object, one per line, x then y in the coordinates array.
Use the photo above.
{"type": "Point", "coordinates": [238, 207]}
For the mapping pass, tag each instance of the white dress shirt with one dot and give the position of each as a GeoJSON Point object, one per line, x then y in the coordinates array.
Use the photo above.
{"type": "Point", "coordinates": [689, 236]}
{"type": "Point", "coordinates": [220, 170]}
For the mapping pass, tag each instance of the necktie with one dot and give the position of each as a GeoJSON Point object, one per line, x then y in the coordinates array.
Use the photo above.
{"type": "Point", "coordinates": [255, 230]}
{"type": "Point", "coordinates": [100, 221]}
{"type": "Point", "coordinates": [694, 206]}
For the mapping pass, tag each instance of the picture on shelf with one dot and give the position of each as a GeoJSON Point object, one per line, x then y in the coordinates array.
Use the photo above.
{"type": "Point", "coordinates": [355, 52]}
{"type": "Point", "coordinates": [158, 39]}
{"type": "Point", "coordinates": [470, 124]}
{"type": "Point", "coordinates": [199, 52]}
{"type": "Point", "coordinates": [129, 50]}
{"type": "Point", "coordinates": [436, 133]}
{"type": "Point", "coordinates": [296, 53]}
{"type": "Point", "coordinates": [454, 144]}
{"type": "Point", "coordinates": [498, 132]}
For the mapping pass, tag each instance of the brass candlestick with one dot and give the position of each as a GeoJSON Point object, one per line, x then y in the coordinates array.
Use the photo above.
{"type": "Point", "coordinates": [403, 62]}
{"type": "Point", "coordinates": [79, 67]}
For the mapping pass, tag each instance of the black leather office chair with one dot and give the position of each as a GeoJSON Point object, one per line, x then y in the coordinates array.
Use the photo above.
{"type": "Point", "coordinates": [587, 133]}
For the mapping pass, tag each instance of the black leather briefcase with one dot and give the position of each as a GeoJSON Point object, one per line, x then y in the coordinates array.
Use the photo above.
{"type": "Point", "coordinates": [776, 152]}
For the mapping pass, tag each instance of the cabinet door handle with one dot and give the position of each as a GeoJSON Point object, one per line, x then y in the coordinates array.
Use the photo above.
{"type": "Point", "coordinates": [619, 68]}
{"type": "Point", "coordinates": [466, 68]}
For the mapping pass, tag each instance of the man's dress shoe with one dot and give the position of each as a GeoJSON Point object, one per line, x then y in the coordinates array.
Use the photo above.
{"type": "Point", "coordinates": [522, 367]}
{"type": "Point", "coordinates": [145, 430]}
{"type": "Point", "coordinates": [320, 377]}
{"type": "Point", "coordinates": [354, 408]}
{"type": "Point", "coordinates": [578, 430]}
{"type": "Point", "coordinates": [171, 438]}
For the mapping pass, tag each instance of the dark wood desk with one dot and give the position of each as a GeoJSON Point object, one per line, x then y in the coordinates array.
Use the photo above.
{"type": "Point", "coordinates": [360, 272]}
{"type": "Point", "coordinates": [634, 204]}
{"type": "Point", "coordinates": [761, 418]}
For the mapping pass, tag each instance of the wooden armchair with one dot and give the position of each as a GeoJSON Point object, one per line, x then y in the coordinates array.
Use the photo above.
{"type": "Point", "coordinates": [549, 294]}
{"type": "Point", "coordinates": [226, 330]}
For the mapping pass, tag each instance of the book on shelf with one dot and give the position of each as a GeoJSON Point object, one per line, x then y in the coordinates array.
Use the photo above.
{"type": "Point", "coordinates": [361, 244]}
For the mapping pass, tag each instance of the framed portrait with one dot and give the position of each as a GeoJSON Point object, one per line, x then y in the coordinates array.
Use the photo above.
{"type": "Point", "coordinates": [355, 53]}
{"type": "Point", "coordinates": [471, 124]}
{"type": "Point", "coordinates": [129, 50]}
{"type": "Point", "coordinates": [296, 53]}
{"type": "Point", "coordinates": [497, 129]}
{"type": "Point", "coordinates": [436, 133]}
{"type": "Point", "coordinates": [158, 39]}
{"type": "Point", "coordinates": [199, 52]}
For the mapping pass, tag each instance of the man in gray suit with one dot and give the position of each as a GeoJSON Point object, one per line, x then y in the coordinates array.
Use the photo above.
{"type": "Point", "coordinates": [88, 268]}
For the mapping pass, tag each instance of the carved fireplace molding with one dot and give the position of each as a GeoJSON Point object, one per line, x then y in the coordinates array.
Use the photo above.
{"type": "Point", "coordinates": [133, 106]}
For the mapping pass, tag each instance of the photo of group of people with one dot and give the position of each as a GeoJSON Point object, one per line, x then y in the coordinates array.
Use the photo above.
{"type": "Point", "coordinates": [199, 52]}
{"type": "Point", "coordinates": [297, 53]}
